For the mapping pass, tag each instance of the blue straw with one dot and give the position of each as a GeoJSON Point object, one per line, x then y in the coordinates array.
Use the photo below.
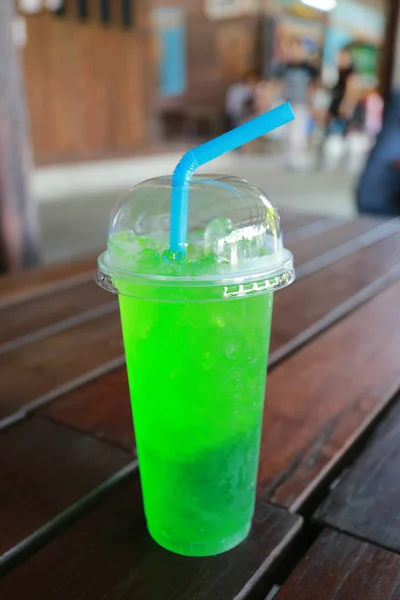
{"type": "Point", "coordinates": [207, 152]}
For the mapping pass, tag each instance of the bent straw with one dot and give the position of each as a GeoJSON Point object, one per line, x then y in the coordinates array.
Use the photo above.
{"type": "Point", "coordinates": [207, 152]}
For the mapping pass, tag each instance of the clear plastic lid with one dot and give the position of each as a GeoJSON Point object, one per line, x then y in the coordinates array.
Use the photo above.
{"type": "Point", "coordinates": [234, 243]}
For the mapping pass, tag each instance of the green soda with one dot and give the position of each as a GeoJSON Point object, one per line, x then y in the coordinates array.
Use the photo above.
{"type": "Point", "coordinates": [197, 374]}
{"type": "Point", "coordinates": [196, 328]}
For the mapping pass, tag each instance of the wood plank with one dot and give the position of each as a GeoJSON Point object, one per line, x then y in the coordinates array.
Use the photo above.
{"type": "Point", "coordinates": [45, 468]}
{"type": "Point", "coordinates": [302, 439]}
{"type": "Point", "coordinates": [389, 61]}
{"type": "Point", "coordinates": [299, 308]}
{"type": "Point", "coordinates": [318, 398]}
{"type": "Point", "coordinates": [51, 363]}
{"type": "Point", "coordinates": [37, 369]}
{"type": "Point", "coordinates": [37, 282]}
{"type": "Point", "coordinates": [291, 222]}
{"type": "Point", "coordinates": [55, 295]}
{"type": "Point", "coordinates": [102, 407]}
{"type": "Point", "coordinates": [67, 306]}
{"type": "Point", "coordinates": [338, 567]}
{"type": "Point", "coordinates": [50, 278]}
{"type": "Point", "coordinates": [312, 248]}
{"type": "Point", "coordinates": [287, 215]}
{"type": "Point", "coordinates": [366, 501]}
{"type": "Point", "coordinates": [109, 554]}
{"type": "Point", "coordinates": [25, 322]}
{"type": "Point", "coordinates": [314, 228]}
{"type": "Point", "coordinates": [94, 78]}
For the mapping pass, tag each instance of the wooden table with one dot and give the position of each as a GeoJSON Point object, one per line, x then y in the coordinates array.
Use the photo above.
{"type": "Point", "coordinates": [327, 521]}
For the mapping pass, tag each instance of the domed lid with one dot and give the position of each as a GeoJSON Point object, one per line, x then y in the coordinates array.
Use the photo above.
{"type": "Point", "coordinates": [234, 242]}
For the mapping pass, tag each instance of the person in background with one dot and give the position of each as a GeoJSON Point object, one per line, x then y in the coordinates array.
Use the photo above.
{"type": "Point", "coordinates": [320, 102]}
{"type": "Point", "coordinates": [248, 115]}
{"type": "Point", "coordinates": [297, 76]}
{"type": "Point", "coordinates": [346, 143]}
{"type": "Point", "coordinates": [248, 110]}
{"type": "Point", "coordinates": [352, 106]}
{"type": "Point", "coordinates": [352, 111]}
{"type": "Point", "coordinates": [262, 97]}
{"type": "Point", "coordinates": [378, 190]}
{"type": "Point", "coordinates": [345, 70]}
{"type": "Point", "coordinates": [237, 98]}
{"type": "Point", "coordinates": [373, 113]}
{"type": "Point", "coordinates": [333, 144]}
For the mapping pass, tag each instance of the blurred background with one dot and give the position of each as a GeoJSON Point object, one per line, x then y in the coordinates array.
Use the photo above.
{"type": "Point", "coordinates": [96, 95]}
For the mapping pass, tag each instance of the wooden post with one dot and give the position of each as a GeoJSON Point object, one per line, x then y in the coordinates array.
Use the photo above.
{"type": "Point", "coordinates": [18, 226]}
{"type": "Point", "coordinates": [396, 51]}
{"type": "Point", "coordinates": [390, 61]}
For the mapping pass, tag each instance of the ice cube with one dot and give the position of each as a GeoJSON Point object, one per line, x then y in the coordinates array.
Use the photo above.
{"type": "Point", "coordinates": [195, 244]}
{"type": "Point", "coordinates": [123, 248]}
{"type": "Point", "coordinates": [148, 261]}
{"type": "Point", "coordinates": [215, 232]}
{"type": "Point", "coordinates": [245, 248]}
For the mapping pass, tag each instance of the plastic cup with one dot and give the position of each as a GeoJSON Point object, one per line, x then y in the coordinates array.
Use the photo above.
{"type": "Point", "coordinates": [196, 333]}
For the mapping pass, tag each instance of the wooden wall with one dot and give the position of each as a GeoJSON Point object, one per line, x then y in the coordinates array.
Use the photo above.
{"type": "Point", "coordinates": [86, 85]}
{"type": "Point", "coordinates": [218, 52]}
{"type": "Point", "coordinates": [92, 89]}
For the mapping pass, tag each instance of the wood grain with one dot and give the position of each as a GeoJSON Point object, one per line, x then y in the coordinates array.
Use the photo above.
{"type": "Point", "coordinates": [51, 362]}
{"type": "Point", "coordinates": [302, 436]}
{"type": "Point", "coordinates": [51, 278]}
{"type": "Point", "coordinates": [38, 368]}
{"type": "Point", "coordinates": [287, 215]}
{"type": "Point", "coordinates": [318, 398]}
{"type": "Point", "coordinates": [66, 284]}
{"type": "Point", "coordinates": [102, 407]}
{"type": "Point", "coordinates": [36, 282]}
{"type": "Point", "coordinates": [388, 58]}
{"type": "Point", "coordinates": [290, 225]}
{"type": "Point", "coordinates": [67, 306]}
{"type": "Point", "coordinates": [295, 218]}
{"type": "Point", "coordinates": [40, 281]}
{"type": "Point", "coordinates": [51, 311]}
{"type": "Point", "coordinates": [109, 555]}
{"type": "Point", "coordinates": [338, 567]}
{"type": "Point", "coordinates": [308, 230]}
{"type": "Point", "coordinates": [208, 71]}
{"type": "Point", "coordinates": [355, 243]}
{"type": "Point", "coordinates": [94, 79]}
{"type": "Point", "coordinates": [306, 250]}
{"type": "Point", "coordinates": [46, 467]}
{"type": "Point", "coordinates": [300, 306]}
{"type": "Point", "coordinates": [25, 322]}
{"type": "Point", "coordinates": [366, 501]}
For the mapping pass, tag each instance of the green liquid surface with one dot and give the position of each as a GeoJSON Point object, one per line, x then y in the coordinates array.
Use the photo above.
{"type": "Point", "coordinates": [197, 374]}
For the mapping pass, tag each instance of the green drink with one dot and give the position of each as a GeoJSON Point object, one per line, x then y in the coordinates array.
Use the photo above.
{"type": "Point", "coordinates": [197, 419]}
{"type": "Point", "coordinates": [196, 333]}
